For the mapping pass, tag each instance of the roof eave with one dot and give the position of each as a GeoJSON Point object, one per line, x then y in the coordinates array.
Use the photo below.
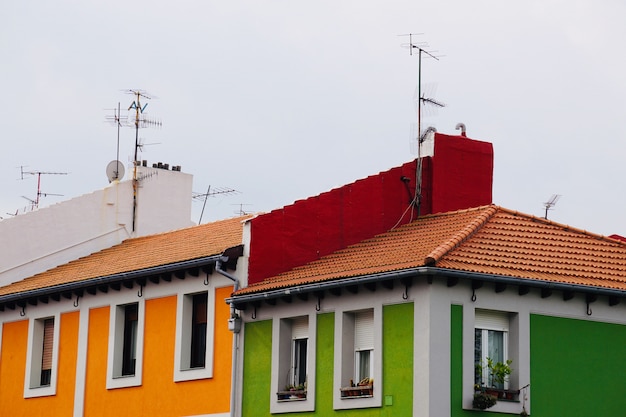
{"type": "Point", "coordinates": [422, 271]}
{"type": "Point", "coordinates": [109, 279]}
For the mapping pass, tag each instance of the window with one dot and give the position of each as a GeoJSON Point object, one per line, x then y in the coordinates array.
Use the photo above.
{"type": "Point", "coordinates": [358, 358]}
{"type": "Point", "coordinates": [125, 345]}
{"type": "Point", "coordinates": [299, 334]}
{"type": "Point", "coordinates": [363, 345]}
{"type": "Point", "coordinates": [46, 356]}
{"type": "Point", "coordinates": [293, 366]}
{"type": "Point", "coordinates": [198, 331]}
{"type": "Point", "coordinates": [293, 358]}
{"type": "Point", "coordinates": [42, 357]}
{"type": "Point", "coordinates": [359, 350]}
{"type": "Point", "coordinates": [490, 345]}
{"type": "Point", "coordinates": [194, 336]}
{"type": "Point", "coordinates": [129, 346]}
{"type": "Point", "coordinates": [494, 331]}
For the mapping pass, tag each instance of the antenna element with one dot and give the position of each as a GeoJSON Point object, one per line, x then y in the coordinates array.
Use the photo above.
{"type": "Point", "coordinates": [551, 203]}
{"type": "Point", "coordinates": [421, 100]}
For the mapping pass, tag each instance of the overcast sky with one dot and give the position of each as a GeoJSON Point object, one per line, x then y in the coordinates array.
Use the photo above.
{"type": "Point", "coordinates": [282, 100]}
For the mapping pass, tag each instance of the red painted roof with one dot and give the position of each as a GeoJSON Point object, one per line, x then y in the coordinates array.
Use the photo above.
{"type": "Point", "coordinates": [485, 240]}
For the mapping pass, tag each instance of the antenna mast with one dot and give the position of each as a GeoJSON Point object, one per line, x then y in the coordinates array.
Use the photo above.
{"type": "Point", "coordinates": [421, 101]}
{"type": "Point", "coordinates": [140, 121]}
{"type": "Point", "coordinates": [212, 193]}
{"type": "Point", "coordinates": [551, 203]}
{"type": "Point", "coordinates": [117, 119]}
{"type": "Point", "coordinates": [35, 203]}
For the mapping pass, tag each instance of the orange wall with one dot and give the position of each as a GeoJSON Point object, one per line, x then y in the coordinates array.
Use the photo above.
{"type": "Point", "coordinates": [13, 371]}
{"type": "Point", "coordinates": [159, 394]}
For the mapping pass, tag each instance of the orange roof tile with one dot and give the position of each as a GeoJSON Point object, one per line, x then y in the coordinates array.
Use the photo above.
{"type": "Point", "coordinates": [484, 240]}
{"type": "Point", "coordinates": [140, 253]}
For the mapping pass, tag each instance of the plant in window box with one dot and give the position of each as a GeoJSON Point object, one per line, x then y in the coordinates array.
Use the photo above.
{"type": "Point", "coordinates": [292, 392]}
{"type": "Point", "coordinates": [366, 386]}
{"type": "Point", "coordinates": [500, 372]}
{"type": "Point", "coordinates": [483, 401]}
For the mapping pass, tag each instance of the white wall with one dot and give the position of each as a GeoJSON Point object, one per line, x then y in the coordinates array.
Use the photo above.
{"type": "Point", "coordinates": [42, 239]}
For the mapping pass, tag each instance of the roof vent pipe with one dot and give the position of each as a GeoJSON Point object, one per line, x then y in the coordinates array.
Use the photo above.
{"type": "Point", "coordinates": [461, 127]}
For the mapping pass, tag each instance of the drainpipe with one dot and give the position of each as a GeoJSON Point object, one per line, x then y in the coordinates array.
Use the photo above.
{"type": "Point", "coordinates": [234, 324]}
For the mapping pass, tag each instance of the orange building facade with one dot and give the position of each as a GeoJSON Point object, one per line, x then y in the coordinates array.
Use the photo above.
{"type": "Point", "coordinates": [138, 329]}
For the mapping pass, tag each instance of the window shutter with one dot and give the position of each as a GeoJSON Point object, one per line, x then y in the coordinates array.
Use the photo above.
{"type": "Point", "coordinates": [300, 327]}
{"type": "Point", "coordinates": [48, 337]}
{"type": "Point", "coordinates": [364, 330]}
{"type": "Point", "coordinates": [492, 320]}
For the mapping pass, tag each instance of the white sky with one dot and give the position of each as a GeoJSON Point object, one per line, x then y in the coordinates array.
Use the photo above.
{"type": "Point", "coordinates": [282, 100]}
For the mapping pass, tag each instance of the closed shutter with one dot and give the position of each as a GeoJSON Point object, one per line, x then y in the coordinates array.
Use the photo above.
{"type": "Point", "coordinates": [48, 337]}
{"type": "Point", "coordinates": [364, 330]}
{"type": "Point", "coordinates": [300, 327]}
{"type": "Point", "coordinates": [492, 320]}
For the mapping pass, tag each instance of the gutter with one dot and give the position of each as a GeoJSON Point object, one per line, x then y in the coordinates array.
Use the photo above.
{"type": "Point", "coordinates": [423, 271]}
{"type": "Point", "coordinates": [234, 324]}
{"type": "Point", "coordinates": [109, 279]}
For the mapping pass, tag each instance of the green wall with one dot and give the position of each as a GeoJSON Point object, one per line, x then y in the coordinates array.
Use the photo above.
{"type": "Point", "coordinates": [397, 366]}
{"type": "Point", "coordinates": [257, 368]}
{"type": "Point", "coordinates": [577, 367]}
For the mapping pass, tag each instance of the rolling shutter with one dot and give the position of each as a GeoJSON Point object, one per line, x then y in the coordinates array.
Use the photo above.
{"type": "Point", "coordinates": [300, 327]}
{"type": "Point", "coordinates": [48, 337]}
{"type": "Point", "coordinates": [492, 320]}
{"type": "Point", "coordinates": [364, 330]}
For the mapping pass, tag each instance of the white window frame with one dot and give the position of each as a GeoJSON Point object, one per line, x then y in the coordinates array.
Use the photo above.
{"type": "Point", "coordinates": [115, 379]}
{"type": "Point", "coordinates": [496, 321]}
{"type": "Point", "coordinates": [299, 332]}
{"type": "Point", "coordinates": [282, 362]}
{"type": "Point", "coordinates": [182, 349]}
{"type": "Point", "coordinates": [32, 382]}
{"type": "Point", "coordinates": [518, 350]}
{"type": "Point", "coordinates": [345, 358]}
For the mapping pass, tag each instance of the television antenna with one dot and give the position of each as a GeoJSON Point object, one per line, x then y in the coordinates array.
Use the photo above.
{"type": "Point", "coordinates": [140, 121]}
{"type": "Point", "coordinates": [241, 211]}
{"type": "Point", "coordinates": [420, 49]}
{"type": "Point", "coordinates": [113, 173]}
{"type": "Point", "coordinates": [34, 204]}
{"type": "Point", "coordinates": [551, 203]}
{"type": "Point", "coordinates": [211, 193]}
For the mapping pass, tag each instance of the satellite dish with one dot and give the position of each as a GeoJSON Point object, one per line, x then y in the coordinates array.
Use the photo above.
{"type": "Point", "coordinates": [115, 171]}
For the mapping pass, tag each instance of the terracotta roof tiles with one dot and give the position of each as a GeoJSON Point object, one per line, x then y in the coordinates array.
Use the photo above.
{"type": "Point", "coordinates": [484, 240]}
{"type": "Point", "coordinates": [140, 253]}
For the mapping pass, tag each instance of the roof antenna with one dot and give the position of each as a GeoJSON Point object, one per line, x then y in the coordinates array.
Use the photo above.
{"type": "Point", "coordinates": [140, 121]}
{"type": "Point", "coordinates": [421, 100]}
{"type": "Point", "coordinates": [115, 171]}
{"type": "Point", "coordinates": [34, 204]}
{"type": "Point", "coordinates": [551, 203]}
{"type": "Point", "coordinates": [211, 193]}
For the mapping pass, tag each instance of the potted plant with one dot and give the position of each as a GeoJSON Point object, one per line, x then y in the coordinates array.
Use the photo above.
{"type": "Point", "coordinates": [482, 400]}
{"type": "Point", "coordinates": [499, 372]}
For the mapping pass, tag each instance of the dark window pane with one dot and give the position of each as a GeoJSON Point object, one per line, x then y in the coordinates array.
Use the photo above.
{"type": "Point", "coordinates": [46, 356]}
{"type": "Point", "coordinates": [129, 353]}
{"type": "Point", "coordinates": [198, 330]}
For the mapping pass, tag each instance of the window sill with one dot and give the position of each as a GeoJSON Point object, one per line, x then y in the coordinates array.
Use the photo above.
{"type": "Point", "coordinates": [503, 394]}
{"type": "Point", "coordinates": [361, 391]}
{"type": "Point", "coordinates": [507, 401]}
{"type": "Point", "coordinates": [291, 395]}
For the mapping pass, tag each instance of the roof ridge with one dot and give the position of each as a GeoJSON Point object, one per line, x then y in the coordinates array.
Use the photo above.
{"type": "Point", "coordinates": [184, 229]}
{"type": "Point", "coordinates": [461, 236]}
{"type": "Point", "coordinates": [564, 226]}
